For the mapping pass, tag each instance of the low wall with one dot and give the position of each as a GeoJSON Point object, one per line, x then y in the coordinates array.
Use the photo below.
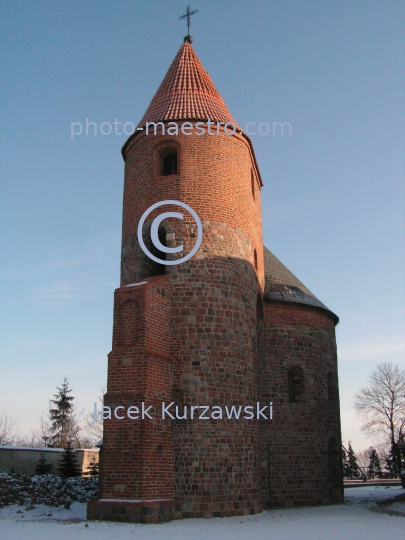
{"type": "Point", "coordinates": [375, 482]}
{"type": "Point", "coordinates": [23, 459]}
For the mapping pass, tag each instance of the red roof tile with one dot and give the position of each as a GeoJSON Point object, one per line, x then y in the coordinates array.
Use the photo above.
{"type": "Point", "coordinates": [187, 93]}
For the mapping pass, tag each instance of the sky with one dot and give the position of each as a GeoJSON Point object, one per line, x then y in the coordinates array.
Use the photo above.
{"type": "Point", "coordinates": [333, 199]}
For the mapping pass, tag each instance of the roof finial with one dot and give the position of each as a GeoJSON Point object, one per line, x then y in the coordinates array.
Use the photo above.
{"type": "Point", "coordinates": [187, 16]}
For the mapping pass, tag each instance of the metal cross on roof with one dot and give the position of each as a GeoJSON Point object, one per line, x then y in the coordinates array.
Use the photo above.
{"type": "Point", "coordinates": [187, 15]}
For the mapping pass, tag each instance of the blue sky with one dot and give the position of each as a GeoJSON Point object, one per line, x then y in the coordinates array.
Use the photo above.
{"type": "Point", "coordinates": [333, 200]}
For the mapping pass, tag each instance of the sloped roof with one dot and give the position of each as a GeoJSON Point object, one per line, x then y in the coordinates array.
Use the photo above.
{"type": "Point", "coordinates": [282, 285]}
{"type": "Point", "coordinates": [187, 92]}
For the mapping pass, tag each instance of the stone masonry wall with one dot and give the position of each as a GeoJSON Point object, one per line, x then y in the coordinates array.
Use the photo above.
{"type": "Point", "coordinates": [294, 457]}
{"type": "Point", "coordinates": [213, 330]}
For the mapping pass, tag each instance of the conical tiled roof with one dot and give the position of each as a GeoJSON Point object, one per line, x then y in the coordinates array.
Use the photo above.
{"type": "Point", "coordinates": [187, 93]}
{"type": "Point", "coordinates": [282, 285]}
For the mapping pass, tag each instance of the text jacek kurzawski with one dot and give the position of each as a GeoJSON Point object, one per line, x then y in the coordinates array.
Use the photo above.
{"type": "Point", "coordinates": [186, 412]}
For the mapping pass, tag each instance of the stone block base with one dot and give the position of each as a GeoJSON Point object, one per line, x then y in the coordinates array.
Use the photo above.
{"type": "Point", "coordinates": [153, 511]}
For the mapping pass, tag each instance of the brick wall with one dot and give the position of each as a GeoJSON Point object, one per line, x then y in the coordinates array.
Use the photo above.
{"type": "Point", "coordinates": [138, 456]}
{"type": "Point", "coordinates": [214, 178]}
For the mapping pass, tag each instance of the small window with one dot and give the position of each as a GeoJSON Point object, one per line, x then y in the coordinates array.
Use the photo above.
{"type": "Point", "coordinates": [252, 181]}
{"type": "Point", "coordinates": [170, 164]}
{"type": "Point", "coordinates": [255, 258]}
{"type": "Point", "coordinates": [295, 385]}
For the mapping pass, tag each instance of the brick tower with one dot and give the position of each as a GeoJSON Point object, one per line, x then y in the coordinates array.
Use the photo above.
{"type": "Point", "coordinates": [231, 326]}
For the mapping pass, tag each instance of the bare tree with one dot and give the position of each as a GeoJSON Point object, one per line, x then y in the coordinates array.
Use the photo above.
{"type": "Point", "coordinates": [42, 435]}
{"type": "Point", "coordinates": [381, 406]}
{"type": "Point", "coordinates": [363, 462]}
{"type": "Point", "coordinates": [8, 429]}
{"type": "Point", "coordinates": [77, 429]}
{"type": "Point", "coordinates": [95, 429]}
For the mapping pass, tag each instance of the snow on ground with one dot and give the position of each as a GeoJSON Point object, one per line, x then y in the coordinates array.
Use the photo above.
{"type": "Point", "coordinates": [370, 494]}
{"type": "Point", "coordinates": [350, 521]}
{"type": "Point", "coordinates": [398, 507]}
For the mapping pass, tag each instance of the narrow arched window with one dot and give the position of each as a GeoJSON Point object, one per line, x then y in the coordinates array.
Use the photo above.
{"type": "Point", "coordinates": [169, 164]}
{"type": "Point", "coordinates": [166, 160]}
{"type": "Point", "coordinates": [295, 385]}
{"type": "Point", "coordinates": [252, 181]}
{"type": "Point", "coordinates": [255, 259]}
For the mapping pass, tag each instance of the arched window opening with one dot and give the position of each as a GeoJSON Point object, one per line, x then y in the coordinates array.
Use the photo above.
{"type": "Point", "coordinates": [166, 159]}
{"type": "Point", "coordinates": [169, 164]}
{"type": "Point", "coordinates": [295, 385]}
{"type": "Point", "coordinates": [252, 181]}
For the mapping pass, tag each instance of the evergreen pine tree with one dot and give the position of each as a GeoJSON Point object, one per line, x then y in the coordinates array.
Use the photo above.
{"type": "Point", "coordinates": [92, 469]}
{"type": "Point", "coordinates": [42, 466]}
{"type": "Point", "coordinates": [60, 414]}
{"type": "Point", "coordinates": [344, 462]}
{"type": "Point", "coordinates": [402, 454]}
{"type": "Point", "coordinates": [401, 450]}
{"type": "Point", "coordinates": [374, 468]}
{"type": "Point", "coordinates": [353, 471]}
{"type": "Point", "coordinates": [68, 465]}
{"type": "Point", "coordinates": [395, 461]}
{"type": "Point", "coordinates": [390, 469]}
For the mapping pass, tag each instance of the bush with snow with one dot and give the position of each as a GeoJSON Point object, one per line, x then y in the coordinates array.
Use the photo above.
{"type": "Point", "coordinates": [46, 489]}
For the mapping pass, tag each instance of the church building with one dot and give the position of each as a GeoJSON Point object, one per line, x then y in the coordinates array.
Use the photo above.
{"type": "Point", "coordinates": [229, 327]}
